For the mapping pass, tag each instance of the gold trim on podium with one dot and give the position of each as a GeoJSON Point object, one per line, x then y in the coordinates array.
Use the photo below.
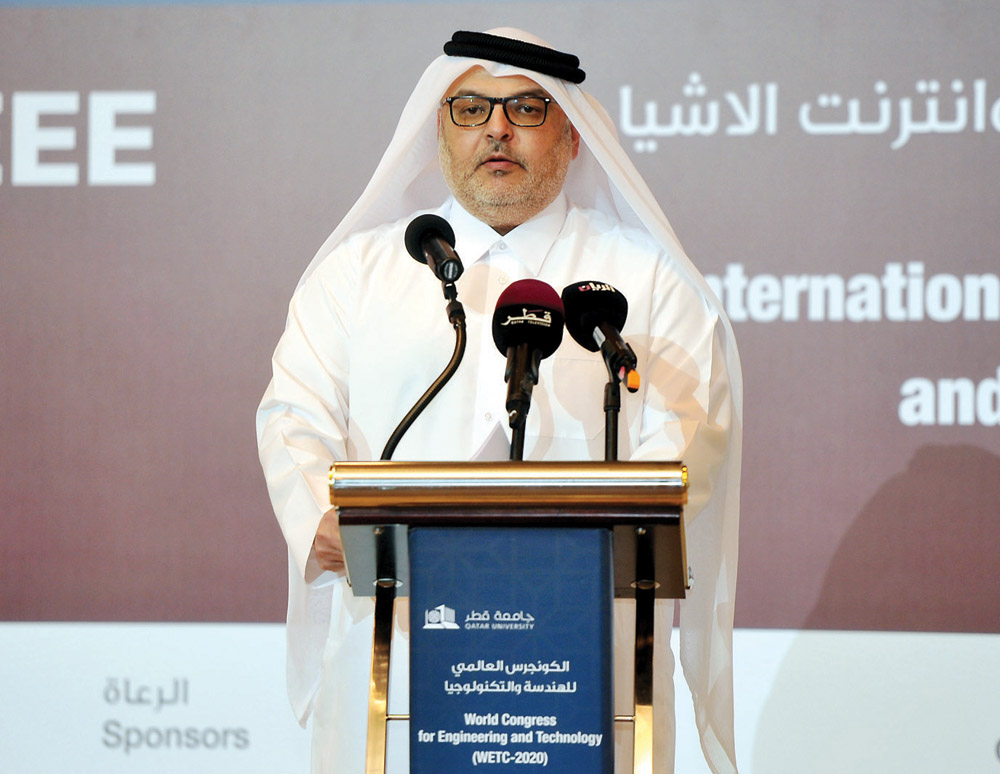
{"type": "Point", "coordinates": [512, 484]}
{"type": "Point", "coordinates": [378, 686]}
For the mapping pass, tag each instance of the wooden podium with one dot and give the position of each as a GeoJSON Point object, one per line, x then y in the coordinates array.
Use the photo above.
{"type": "Point", "coordinates": [641, 503]}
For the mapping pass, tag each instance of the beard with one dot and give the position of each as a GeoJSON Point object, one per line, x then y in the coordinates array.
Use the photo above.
{"type": "Point", "coordinates": [506, 199]}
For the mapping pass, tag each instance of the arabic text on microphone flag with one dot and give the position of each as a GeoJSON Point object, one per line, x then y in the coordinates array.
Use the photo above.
{"type": "Point", "coordinates": [510, 649]}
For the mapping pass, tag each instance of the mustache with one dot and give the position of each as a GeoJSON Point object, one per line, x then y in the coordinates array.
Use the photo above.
{"type": "Point", "coordinates": [498, 148]}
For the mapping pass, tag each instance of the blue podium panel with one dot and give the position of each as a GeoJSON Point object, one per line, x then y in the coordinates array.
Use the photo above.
{"type": "Point", "coordinates": [510, 650]}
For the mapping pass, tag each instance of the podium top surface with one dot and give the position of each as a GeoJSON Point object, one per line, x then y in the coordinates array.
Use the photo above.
{"type": "Point", "coordinates": [518, 484]}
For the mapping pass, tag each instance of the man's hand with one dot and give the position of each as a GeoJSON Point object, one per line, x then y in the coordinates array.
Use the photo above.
{"type": "Point", "coordinates": [327, 545]}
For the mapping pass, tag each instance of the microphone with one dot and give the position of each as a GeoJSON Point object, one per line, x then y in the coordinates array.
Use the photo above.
{"type": "Point", "coordinates": [430, 239]}
{"type": "Point", "coordinates": [527, 327]}
{"type": "Point", "coordinates": [595, 315]}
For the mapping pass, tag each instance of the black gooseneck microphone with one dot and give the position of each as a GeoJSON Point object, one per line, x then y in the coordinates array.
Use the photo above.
{"type": "Point", "coordinates": [595, 315]}
{"type": "Point", "coordinates": [430, 239]}
{"type": "Point", "coordinates": [527, 327]}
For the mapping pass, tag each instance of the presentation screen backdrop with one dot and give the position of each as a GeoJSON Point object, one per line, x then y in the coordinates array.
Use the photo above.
{"type": "Point", "coordinates": [168, 170]}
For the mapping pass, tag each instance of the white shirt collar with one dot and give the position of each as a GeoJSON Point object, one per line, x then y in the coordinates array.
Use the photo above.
{"type": "Point", "coordinates": [530, 242]}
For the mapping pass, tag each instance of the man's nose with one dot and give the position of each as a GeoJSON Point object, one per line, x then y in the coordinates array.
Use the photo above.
{"type": "Point", "coordinates": [498, 127]}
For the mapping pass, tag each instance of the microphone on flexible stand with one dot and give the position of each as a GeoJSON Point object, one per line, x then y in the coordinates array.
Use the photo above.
{"type": "Point", "coordinates": [430, 239]}
{"type": "Point", "coordinates": [527, 327]}
{"type": "Point", "coordinates": [595, 315]}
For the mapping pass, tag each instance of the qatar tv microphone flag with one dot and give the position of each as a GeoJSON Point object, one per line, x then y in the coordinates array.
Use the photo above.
{"type": "Point", "coordinates": [527, 327]}
{"type": "Point", "coordinates": [510, 650]}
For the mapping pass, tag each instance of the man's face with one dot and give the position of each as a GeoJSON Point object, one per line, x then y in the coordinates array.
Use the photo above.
{"type": "Point", "coordinates": [502, 173]}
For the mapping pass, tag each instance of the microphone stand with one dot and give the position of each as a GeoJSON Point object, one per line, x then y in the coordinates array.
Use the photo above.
{"type": "Point", "coordinates": [517, 413]}
{"type": "Point", "coordinates": [456, 315]}
{"type": "Point", "coordinates": [517, 443]}
{"type": "Point", "coordinates": [612, 407]}
{"type": "Point", "coordinates": [617, 366]}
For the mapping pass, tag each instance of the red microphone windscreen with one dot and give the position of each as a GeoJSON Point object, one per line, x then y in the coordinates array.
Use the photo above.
{"type": "Point", "coordinates": [529, 311]}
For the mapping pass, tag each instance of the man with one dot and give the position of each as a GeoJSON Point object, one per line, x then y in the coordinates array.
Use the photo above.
{"type": "Point", "coordinates": [539, 188]}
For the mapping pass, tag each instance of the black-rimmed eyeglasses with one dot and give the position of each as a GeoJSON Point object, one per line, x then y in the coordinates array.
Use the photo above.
{"type": "Point", "coordinates": [476, 111]}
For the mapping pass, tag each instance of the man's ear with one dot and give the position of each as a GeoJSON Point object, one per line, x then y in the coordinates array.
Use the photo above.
{"type": "Point", "coordinates": [574, 137]}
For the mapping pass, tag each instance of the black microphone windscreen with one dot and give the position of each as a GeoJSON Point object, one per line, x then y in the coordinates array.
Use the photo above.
{"type": "Point", "coordinates": [587, 305]}
{"type": "Point", "coordinates": [422, 227]}
{"type": "Point", "coordinates": [529, 311]}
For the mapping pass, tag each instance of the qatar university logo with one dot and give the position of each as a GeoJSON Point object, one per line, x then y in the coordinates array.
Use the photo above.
{"type": "Point", "coordinates": [440, 617]}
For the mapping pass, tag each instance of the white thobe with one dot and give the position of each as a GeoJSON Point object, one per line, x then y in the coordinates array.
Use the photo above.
{"type": "Point", "coordinates": [367, 332]}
